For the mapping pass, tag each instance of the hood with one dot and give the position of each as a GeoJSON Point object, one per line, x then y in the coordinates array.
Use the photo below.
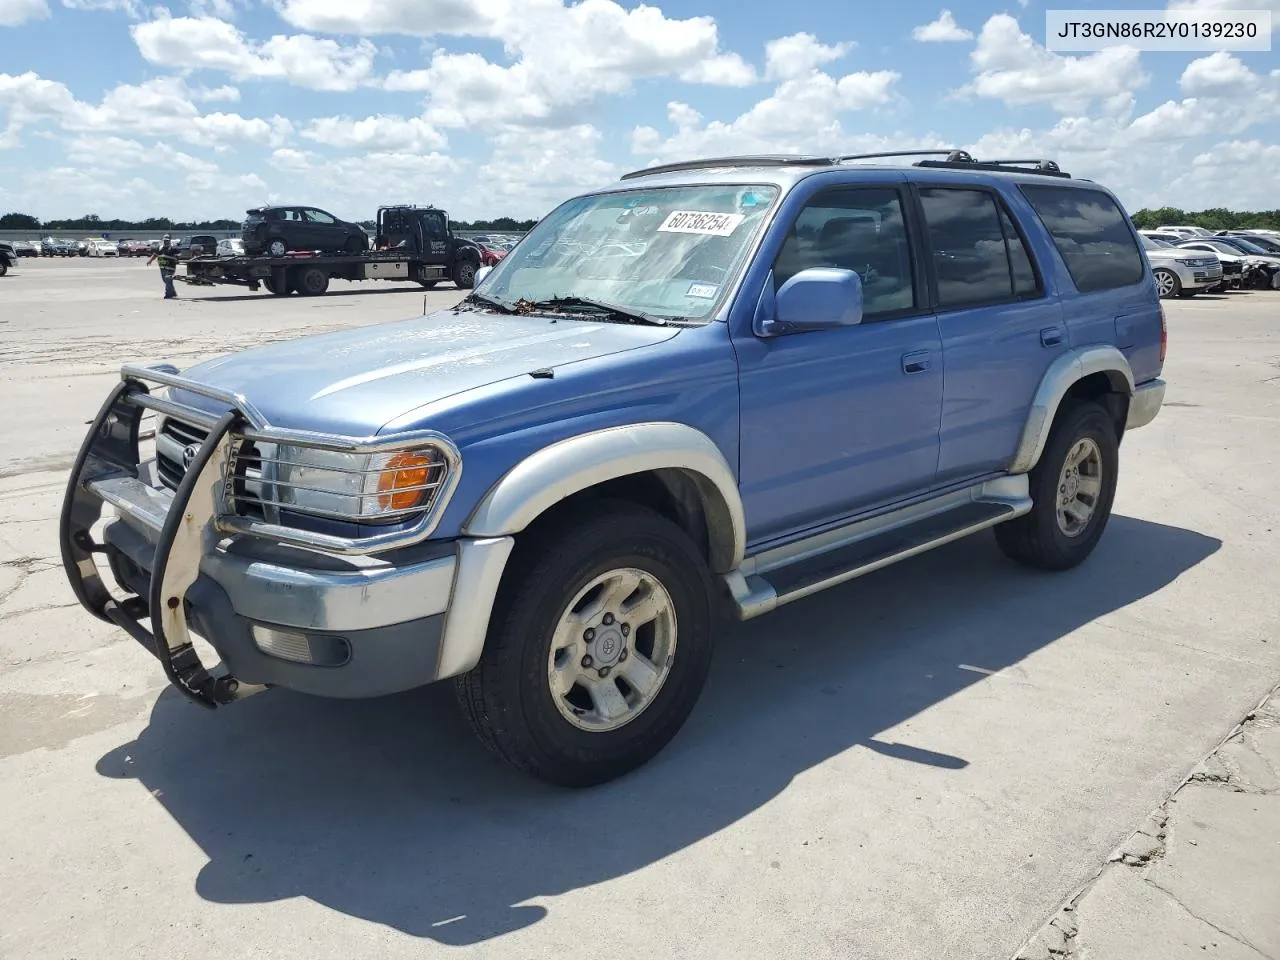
{"type": "Point", "coordinates": [1168, 255]}
{"type": "Point", "coordinates": [355, 381]}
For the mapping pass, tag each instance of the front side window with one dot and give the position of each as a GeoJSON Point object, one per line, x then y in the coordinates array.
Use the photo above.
{"type": "Point", "coordinates": [978, 255]}
{"type": "Point", "coordinates": [859, 229]}
{"type": "Point", "coordinates": [319, 216]}
{"type": "Point", "coordinates": [1092, 235]}
{"type": "Point", "coordinates": [669, 252]}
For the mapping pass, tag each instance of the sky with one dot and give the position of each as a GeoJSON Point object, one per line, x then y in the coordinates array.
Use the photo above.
{"type": "Point", "coordinates": [202, 108]}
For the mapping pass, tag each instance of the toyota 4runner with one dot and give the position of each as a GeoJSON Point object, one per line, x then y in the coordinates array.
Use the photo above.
{"type": "Point", "coordinates": [720, 385]}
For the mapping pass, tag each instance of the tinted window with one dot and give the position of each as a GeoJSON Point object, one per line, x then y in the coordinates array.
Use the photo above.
{"type": "Point", "coordinates": [319, 216]}
{"type": "Point", "coordinates": [977, 254]}
{"type": "Point", "coordinates": [1092, 235]}
{"type": "Point", "coordinates": [1025, 282]}
{"type": "Point", "coordinates": [860, 230]}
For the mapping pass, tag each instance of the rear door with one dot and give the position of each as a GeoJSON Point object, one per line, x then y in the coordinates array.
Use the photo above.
{"type": "Point", "coordinates": [1108, 293]}
{"type": "Point", "coordinates": [1000, 331]}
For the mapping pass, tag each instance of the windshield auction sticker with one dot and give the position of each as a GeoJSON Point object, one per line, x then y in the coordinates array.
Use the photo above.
{"type": "Point", "coordinates": [708, 224]}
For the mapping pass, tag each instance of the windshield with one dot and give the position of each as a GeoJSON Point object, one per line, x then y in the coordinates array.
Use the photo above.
{"type": "Point", "coordinates": [668, 251]}
{"type": "Point", "coordinates": [1152, 244]}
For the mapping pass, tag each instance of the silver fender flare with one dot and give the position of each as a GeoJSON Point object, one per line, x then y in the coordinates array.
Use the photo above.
{"type": "Point", "coordinates": [564, 468]}
{"type": "Point", "coordinates": [1062, 374]}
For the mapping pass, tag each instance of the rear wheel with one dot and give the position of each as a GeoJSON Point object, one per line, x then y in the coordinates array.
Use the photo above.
{"type": "Point", "coordinates": [1072, 488]}
{"type": "Point", "coordinates": [277, 248]}
{"type": "Point", "coordinates": [1167, 283]}
{"type": "Point", "coordinates": [313, 282]}
{"type": "Point", "coordinates": [4, 268]}
{"type": "Point", "coordinates": [598, 649]}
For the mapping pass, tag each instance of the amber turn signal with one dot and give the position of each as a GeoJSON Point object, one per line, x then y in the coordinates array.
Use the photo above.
{"type": "Point", "coordinates": [401, 481]}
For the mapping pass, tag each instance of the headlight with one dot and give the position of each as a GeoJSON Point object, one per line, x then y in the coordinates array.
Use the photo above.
{"type": "Point", "coordinates": [1187, 261]}
{"type": "Point", "coordinates": [351, 486]}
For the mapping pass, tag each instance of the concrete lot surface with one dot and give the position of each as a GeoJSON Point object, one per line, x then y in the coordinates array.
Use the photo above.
{"type": "Point", "coordinates": [926, 763]}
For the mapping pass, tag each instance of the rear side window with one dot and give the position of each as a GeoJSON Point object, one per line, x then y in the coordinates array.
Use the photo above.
{"type": "Point", "coordinates": [978, 254]}
{"type": "Point", "coordinates": [1091, 233]}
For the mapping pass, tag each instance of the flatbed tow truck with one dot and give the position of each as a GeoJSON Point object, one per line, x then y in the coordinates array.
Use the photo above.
{"type": "Point", "coordinates": [413, 244]}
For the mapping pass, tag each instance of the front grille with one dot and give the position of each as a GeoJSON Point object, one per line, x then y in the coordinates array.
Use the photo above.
{"type": "Point", "coordinates": [1230, 266]}
{"type": "Point", "coordinates": [174, 439]}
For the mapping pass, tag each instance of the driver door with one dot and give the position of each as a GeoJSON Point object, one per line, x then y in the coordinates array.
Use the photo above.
{"type": "Point", "coordinates": [838, 422]}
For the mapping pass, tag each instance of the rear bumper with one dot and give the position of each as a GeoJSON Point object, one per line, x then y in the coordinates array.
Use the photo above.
{"type": "Point", "coordinates": [336, 626]}
{"type": "Point", "coordinates": [1145, 404]}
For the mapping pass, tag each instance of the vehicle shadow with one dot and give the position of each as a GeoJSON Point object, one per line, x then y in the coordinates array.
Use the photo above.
{"type": "Point", "coordinates": [264, 294]}
{"type": "Point", "coordinates": [389, 810]}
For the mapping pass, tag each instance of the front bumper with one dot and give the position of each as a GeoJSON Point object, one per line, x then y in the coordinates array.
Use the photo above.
{"type": "Point", "coordinates": [277, 615]}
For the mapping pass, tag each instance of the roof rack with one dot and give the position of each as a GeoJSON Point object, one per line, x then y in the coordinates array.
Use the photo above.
{"type": "Point", "coordinates": [954, 159]}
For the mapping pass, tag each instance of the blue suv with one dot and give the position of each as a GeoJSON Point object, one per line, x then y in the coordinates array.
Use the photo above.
{"type": "Point", "coordinates": [711, 387]}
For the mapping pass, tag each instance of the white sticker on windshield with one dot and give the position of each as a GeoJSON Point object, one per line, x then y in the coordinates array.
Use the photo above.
{"type": "Point", "coordinates": [707, 291]}
{"type": "Point", "coordinates": [709, 224]}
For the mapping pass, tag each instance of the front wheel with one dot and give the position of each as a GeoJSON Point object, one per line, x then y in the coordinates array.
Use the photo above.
{"type": "Point", "coordinates": [464, 276]}
{"type": "Point", "coordinates": [1072, 489]}
{"type": "Point", "coordinates": [598, 649]}
{"type": "Point", "coordinates": [1167, 283]}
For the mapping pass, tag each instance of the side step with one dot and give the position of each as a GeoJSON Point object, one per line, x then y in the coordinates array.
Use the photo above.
{"type": "Point", "coordinates": [780, 576]}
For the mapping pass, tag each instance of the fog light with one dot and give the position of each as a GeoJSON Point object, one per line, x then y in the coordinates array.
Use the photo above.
{"type": "Point", "coordinates": [318, 650]}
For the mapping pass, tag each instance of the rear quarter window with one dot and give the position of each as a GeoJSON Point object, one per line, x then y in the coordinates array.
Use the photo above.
{"type": "Point", "coordinates": [1091, 233]}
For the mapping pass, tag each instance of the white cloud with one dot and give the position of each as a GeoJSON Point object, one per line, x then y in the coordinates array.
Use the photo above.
{"type": "Point", "coordinates": [532, 171]}
{"type": "Point", "coordinates": [560, 56]}
{"type": "Point", "coordinates": [131, 7]}
{"type": "Point", "coordinates": [1218, 6]}
{"type": "Point", "coordinates": [798, 54]}
{"type": "Point", "coordinates": [160, 107]}
{"type": "Point", "coordinates": [354, 186]}
{"type": "Point", "coordinates": [117, 153]}
{"type": "Point", "coordinates": [187, 43]}
{"type": "Point", "coordinates": [1012, 67]}
{"type": "Point", "coordinates": [16, 12]}
{"type": "Point", "coordinates": [801, 116]}
{"type": "Point", "coordinates": [387, 133]}
{"type": "Point", "coordinates": [224, 93]}
{"type": "Point", "coordinates": [943, 30]}
{"type": "Point", "coordinates": [1219, 73]}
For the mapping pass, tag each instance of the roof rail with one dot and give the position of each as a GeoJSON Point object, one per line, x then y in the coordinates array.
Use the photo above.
{"type": "Point", "coordinates": [954, 159]}
{"type": "Point", "coordinates": [952, 155]}
{"type": "Point", "coordinates": [1048, 168]}
{"type": "Point", "coordinates": [762, 160]}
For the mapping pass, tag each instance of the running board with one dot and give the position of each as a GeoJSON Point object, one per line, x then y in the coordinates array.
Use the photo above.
{"type": "Point", "coordinates": [801, 569]}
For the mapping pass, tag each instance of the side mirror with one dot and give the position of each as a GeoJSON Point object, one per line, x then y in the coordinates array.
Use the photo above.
{"type": "Point", "coordinates": [482, 273]}
{"type": "Point", "coordinates": [819, 298]}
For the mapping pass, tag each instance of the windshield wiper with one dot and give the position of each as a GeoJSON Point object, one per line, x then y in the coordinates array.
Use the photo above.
{"type": "Point", "coordinates": [633, 316]}
{"type": "Point", "coordinates": [477, 298]}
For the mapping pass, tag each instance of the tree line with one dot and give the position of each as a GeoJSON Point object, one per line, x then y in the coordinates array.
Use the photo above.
{"type": "Point", "coordinates": [92, 223]}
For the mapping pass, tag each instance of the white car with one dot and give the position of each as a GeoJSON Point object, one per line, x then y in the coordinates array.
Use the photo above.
{"type": "Point", "coordinates": [1186, 232]}
{"type": "Point", "coordinates": [1180, 272]}
{"type": "Point", "coordinates": [233, 247]}
{"type": "Point", "coordinates": [102, 248]}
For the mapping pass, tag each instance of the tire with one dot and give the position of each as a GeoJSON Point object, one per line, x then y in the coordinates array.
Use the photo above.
{"type": "Point", "coordinates": [277, 248]}
{"type": "Point", "coordinates": [1167, 283]}
{"type": "Point", "coordinates": [313, 282]}
{"type": "Point", "coordinates": [274, 290]}
{"type": "Point", "coordinates": [1187, 294]}
{"type": "Point", "coordinates": [4, 269]}
{"type": "Point", "coordinates": [354, 245]}
{"type": "Point", "coordinates": [428, 284]}
{"type": "Point", "coordinates": [508, 696]}
{"type": "Point", "coordinates": [1038, 539]}
{"type": "Point", "coordinates": [464, 275]}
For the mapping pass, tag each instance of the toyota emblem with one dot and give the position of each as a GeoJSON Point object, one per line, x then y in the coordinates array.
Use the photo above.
{"type": "Point", "coordinates": [188, 455]}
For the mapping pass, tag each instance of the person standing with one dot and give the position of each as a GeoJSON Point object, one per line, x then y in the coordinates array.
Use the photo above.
{"type": "Point", "coordinates": [168, 266]}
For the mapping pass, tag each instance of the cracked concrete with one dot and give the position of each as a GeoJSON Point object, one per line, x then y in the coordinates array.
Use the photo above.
{"type": "Point", "coordinates": [1201, 875]}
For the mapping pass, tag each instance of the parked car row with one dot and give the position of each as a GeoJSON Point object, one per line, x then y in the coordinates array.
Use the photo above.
{"type": "Point", "coordinates": [1186, 263]}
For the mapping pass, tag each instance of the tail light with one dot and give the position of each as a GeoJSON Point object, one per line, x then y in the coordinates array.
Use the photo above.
{"type": "Point", "coordinates": [1164, 334]}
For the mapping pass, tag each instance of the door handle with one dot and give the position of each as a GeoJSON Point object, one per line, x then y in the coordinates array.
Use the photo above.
{"type": "Point", "coordinates": [1051, 337]}
{"type": "Point", "coordinates": [917, 362]}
